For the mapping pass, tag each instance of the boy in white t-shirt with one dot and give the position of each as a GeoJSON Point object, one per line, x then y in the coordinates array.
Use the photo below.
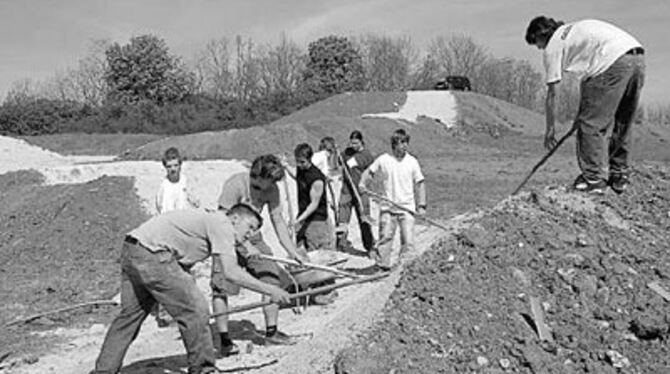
{"type": "Point", "coordinates": [402, 177]}
{"type": "Point", "coordinates": [610, 64]}
{"type": "Point", "coordinates": [174, 193]}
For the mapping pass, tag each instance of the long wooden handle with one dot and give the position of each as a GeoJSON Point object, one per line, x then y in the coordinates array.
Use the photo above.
{"type": "Point", "coordinates": [314, 291]}
{"type": "Point", "coordinates": [410, 211]}
{"type": "Point", "coordinates": [310, 265]}
{"type": "Point", "coordinates": [544, 159]}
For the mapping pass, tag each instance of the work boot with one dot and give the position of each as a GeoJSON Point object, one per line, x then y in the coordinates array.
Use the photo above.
{"type": "Point", "coordinates": [279, 338]}
{"type": "Point", "coordinates": [618, 182]}
{"type": "Point", "coordinates": [227, 351]}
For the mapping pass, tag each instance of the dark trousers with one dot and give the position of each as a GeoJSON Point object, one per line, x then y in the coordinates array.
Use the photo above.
{"type": "Point", "coordinates": [608, 101]}
{"type": "Point", "coordinates": [147, 278]}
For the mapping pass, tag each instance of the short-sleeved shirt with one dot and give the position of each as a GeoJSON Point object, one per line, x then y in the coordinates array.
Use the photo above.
{"type": "Point", "coordinates": [192, 235]}
{"type": "Point", "coordinates": [399, 177]}
{"type": "Point", "coordinates": [585, 48]}
{"type": "Point", "coordinates": [357, 162]}
{"type": "Point", "coordinates": [305, 179]}
{"type": "Point", "coordinates": [237, 189]}
{"type": "Point", "coordinates": [172, 196]}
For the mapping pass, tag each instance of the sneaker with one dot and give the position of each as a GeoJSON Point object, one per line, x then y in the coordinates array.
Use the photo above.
{"type": "Point", "coordinates": [227, 351]}
{"type": "Point", "coordinates": [618, 182]}
{"type": "Point", "coordinates": [279, 338]}
{"type": "Point", "coordinates": [581, 184]}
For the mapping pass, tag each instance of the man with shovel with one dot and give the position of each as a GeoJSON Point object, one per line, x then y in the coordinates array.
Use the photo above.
{"type": "Point", "coordinates": [610, 64]}
{"type": "Point", "coordinates": [155, 262]}
{"type": "Point", "coordinates": [402, 177]}
{"type": "Point", "coordinates": [258, 188]}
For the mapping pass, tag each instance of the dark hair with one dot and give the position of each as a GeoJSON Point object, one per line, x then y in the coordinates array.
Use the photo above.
{"type": "Point", "coordinates": [541, 28]}
{"type": "Point", "coordinates": [245, 210]}
{"type": "Point", "coordinates": [356, 135]}
{"type": "Point", "coordinates": [303, 150]}
{"type": "Point", "coordinates": [267, 167]}
{"type": "Point", "coordinates": [171, 153]}
{"type": "Point", "coordinates": [327, 143]}
{"type": "Point", "coordinates": [399, 135]}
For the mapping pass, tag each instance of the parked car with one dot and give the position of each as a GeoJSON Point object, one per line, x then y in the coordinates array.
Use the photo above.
{"type": "Point", "coordinates": [453, 82]}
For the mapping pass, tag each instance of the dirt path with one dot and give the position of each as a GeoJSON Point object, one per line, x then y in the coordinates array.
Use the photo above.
{"type": "Point", "coordinates": [327, 329]}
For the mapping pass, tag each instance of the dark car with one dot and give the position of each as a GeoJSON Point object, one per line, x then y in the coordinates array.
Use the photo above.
{"type": "Point", "coordinates": [453, 82]}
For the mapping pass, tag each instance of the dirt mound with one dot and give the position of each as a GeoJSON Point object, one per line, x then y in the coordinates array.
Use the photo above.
{"type": "Point", "coordinates": [59, 245]}
{"type": "Point", "coordinates": [367, 111]}
{"type": "Point", "coordinates": [16, 154]}
{"type": "Point", "coordinates": [465, 305]}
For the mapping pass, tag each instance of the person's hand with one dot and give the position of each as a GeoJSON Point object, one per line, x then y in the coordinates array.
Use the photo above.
{"type": "Point", "coordinates": [362, 189]}
{"type": "Point", "coordinates": [550, 139]}
{"type": "Point", "coordinates": [280, 296]}
{"type": "Point", "coordinates": [218, 280]}
{"type": "Point", "coordinates": [421, 211]}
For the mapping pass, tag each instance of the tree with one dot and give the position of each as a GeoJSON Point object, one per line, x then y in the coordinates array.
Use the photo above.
{"type": "Point", "coordinates": [333, 66]}
{"type": "Point", "coordinates": [387, 62]}
{"type": "Point", "coordinates": [281, 67]}
{"type": "Point", "coordinates": [213, 68]}
{"type": "Point", "coordinates": [458, 55]}
{"type": "Point", "coordinates": [144, 70]}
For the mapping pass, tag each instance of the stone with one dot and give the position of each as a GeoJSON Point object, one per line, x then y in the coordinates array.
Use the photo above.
{"type": "Point", "coordinates": [482, 361]}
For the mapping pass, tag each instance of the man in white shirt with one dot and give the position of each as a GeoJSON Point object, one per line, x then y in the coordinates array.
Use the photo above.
{"type": "Point", "coordinates": [610, 64]}
{"type": "Point", "coordinates": [402, 175]}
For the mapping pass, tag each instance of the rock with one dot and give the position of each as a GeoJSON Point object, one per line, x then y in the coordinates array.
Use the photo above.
{"type": "Point", "coordinates": [521, 278]}
{"type": "Point", "coordinates": [482, 361]}
{"type": "Point", "coordinates": [505, 363]}
{"type": "Point", "coordinates": [476, 236]}
{"type": "Point", "coordinates": [585, 284]}
{"type": "Point", "coordinates": [617, 359]}
{"type": "Point", "coordinates": [649, 327]}
{"type": "Point", "coordinates": [32, 359]}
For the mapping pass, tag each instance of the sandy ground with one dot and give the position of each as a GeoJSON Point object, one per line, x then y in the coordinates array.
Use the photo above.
{"type": "Point", "coordinates": [326, 329]}
{"type": "Point", "coordinates": [438, 105]}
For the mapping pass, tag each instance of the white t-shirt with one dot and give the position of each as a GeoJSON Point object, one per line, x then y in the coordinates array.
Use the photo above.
{"type": "Point", "coordinates": [585, 48]}
{"type": "Point", "coordinates": [320, 160]}
{"type": "Point", "coordinates": [399, 177]}
{"type": "Point", "coordinates": [172, 196]}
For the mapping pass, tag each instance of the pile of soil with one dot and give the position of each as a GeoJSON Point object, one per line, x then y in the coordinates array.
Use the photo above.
{"type": "Point", "coordinates": [465, 305]}
{"type": "Point", "coordinates": [59, 245]}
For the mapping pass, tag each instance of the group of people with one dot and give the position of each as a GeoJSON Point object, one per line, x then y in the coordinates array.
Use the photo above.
{"type": "Point", "coordinates": [157, 256]}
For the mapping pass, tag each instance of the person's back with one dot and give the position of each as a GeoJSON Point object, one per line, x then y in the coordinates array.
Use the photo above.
{"type": "Point", "coordinates": [586, 48]}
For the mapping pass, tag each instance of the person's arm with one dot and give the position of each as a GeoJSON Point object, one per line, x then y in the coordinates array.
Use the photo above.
{"type": "Point", "coordinates": [224, 266]}
{"type": "Point", "coordinates": [550, 116]}
{"type": "Point", "coordinates": [315, 193]}
{"type": "Point", "coordinates": [421, 198]}
{"type": "Point", "coordinates": [159, 199]}
{"type": "Point", "coordinates": [367, 175]}
{"type": "Point", "coordinates": [281, 229]}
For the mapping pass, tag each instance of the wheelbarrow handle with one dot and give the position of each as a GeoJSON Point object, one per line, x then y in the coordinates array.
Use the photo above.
{"type": "Point", "coordinates": [310, 265]}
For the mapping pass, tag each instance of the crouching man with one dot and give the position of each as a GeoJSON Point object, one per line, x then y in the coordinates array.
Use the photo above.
{"type": "Point", "coordinates": [155, 262]}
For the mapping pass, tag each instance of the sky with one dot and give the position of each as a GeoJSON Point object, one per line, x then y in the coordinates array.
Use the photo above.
{"type": "Point", "coordinates": [40, 37]}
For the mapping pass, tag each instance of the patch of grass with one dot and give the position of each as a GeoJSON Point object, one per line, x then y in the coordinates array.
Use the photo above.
{"type": "Point", "coordinates": [91, 144]}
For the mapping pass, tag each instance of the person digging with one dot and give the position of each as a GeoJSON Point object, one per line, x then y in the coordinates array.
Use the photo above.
{"type": "Point", "coordinates": [155, 262]}
{"type": "Point", "coordinates": [610, 63]}
{"type": "Point", "coordinates": [258, 188]}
